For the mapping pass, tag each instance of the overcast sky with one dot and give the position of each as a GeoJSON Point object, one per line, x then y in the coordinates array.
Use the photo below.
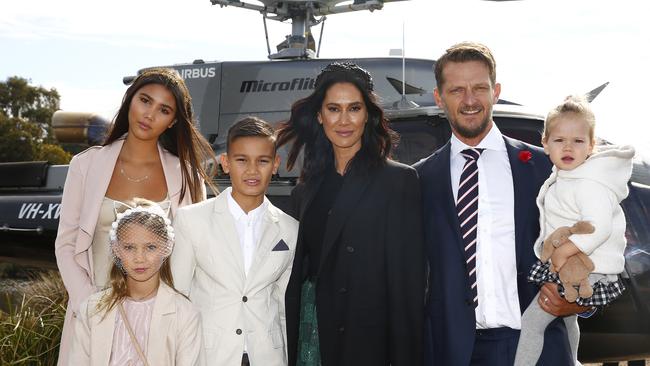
{"type": "Point", "coordinates": [545, 49]}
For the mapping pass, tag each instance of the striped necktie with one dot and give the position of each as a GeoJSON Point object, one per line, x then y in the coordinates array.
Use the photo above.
{"type": "Point", "coordinates": [467, 206]}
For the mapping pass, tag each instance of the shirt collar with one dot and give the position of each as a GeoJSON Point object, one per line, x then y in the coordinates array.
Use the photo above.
{"type": "Point", "coordinates": [492, 141]}
{"type": "Point", "coordinates": [237, 212]}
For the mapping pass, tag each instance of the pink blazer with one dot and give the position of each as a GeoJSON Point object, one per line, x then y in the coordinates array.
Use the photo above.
{"type": "Point", "coordinates": [87, 181]}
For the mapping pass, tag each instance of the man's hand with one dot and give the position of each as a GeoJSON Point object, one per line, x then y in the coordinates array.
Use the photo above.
{"type": "Point", "coordinates": [551, 302]}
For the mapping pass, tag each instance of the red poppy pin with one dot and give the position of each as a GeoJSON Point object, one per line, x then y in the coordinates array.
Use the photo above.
{"type": "Point", "coordinates": [525, 156]}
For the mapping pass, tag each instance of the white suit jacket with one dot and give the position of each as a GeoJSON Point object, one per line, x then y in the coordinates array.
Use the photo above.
{"type": "Point", "coordinates": [174, 335]}
{"type": "Point", "coordinates": [208, 266]}
{"type": "Point", "coordinates": [85, 186]}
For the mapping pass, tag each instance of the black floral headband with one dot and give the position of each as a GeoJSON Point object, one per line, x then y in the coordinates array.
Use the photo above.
{"type": "Point", "coordinates": [343, 71]}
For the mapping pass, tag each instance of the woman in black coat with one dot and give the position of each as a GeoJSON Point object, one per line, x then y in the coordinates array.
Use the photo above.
{"type": "Point", "coordinates": [356, 293]}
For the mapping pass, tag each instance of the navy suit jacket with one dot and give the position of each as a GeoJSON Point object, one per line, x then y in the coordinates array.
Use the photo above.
{"type": "Point", "coordinates": [450, 313]}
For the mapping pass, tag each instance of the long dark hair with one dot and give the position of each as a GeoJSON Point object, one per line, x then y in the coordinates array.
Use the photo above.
{"type": "Point", "coordinates": [303, 128]}
{"type": "Point", "coordinates": [183, 139]}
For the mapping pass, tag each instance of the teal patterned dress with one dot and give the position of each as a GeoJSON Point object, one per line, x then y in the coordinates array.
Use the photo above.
{"type": "Point", "coordinates": [308, 345]}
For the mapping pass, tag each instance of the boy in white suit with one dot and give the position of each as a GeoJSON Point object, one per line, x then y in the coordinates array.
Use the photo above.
{"type": "Point", "coordinates": [233, 255]}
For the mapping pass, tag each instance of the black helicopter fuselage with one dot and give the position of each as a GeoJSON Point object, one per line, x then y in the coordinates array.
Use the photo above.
{"type": "Point", "coordinates": [223, 92]}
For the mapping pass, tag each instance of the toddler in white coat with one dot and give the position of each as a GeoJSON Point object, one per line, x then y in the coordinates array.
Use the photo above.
{"type": "Point", "coordinates": [585, 185]}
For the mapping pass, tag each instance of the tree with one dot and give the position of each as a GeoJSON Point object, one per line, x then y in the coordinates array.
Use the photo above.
{"type": "Point", "coordinates": [25, 118]}
{"type": "Point", "coordinates": [54, 154]}
{"type": "Point", "coordinates": [16, 143]}
{"type": "Point", "coordinates": [18, 99]}
{"type": "Point", "coordinates": [22, 140]}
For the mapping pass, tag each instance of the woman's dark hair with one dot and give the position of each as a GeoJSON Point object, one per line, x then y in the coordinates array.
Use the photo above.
{"type": "Point", "coordinates": [183, 139]}
{"type": "Point", "coordinates": [303, 128]}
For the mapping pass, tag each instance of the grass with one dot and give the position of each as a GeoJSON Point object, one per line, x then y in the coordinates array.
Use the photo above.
{"type": "Point", "coordinates": [31, 319]}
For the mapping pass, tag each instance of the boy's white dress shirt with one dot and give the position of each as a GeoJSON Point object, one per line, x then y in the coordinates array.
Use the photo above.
{"type": "Point", "coordinates": [248, 226]}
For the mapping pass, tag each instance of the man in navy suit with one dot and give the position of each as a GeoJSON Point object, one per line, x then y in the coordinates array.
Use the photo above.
{"type": "Point", "coordinates": [480, 251]}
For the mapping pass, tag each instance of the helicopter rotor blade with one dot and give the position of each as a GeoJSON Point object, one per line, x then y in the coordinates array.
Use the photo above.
{"type": "Point", "coordinates": [594, 93]}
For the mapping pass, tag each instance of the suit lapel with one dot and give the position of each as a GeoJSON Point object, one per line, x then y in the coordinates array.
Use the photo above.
{"type": "Point", "coordinates": [96, 185]}
{"type": "Point", "coordinates": [268, 239]}
{"type": "Point", "coordinates": [161, 316]}
{"type": "Point", "coordinates": [447, 194]}
{"type": "Point", "coordinates": [439, 184]}
{"type": "Point", "coordinates": [101, 334]}
{"type": "Point", "coordinates": [171, 169]}
{"type": "Point", "coordinates": [224, 225]}
{"type": "Point", "coordinates": [97, 178]}
{"type": "Point", "coordinates": [351, 192]}
{"type": "Point", "coordinates": [310, 192]}
{"type": "Point", "coordinates": [523, 183]}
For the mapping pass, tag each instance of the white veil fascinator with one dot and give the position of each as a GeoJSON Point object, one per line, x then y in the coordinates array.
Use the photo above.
{"type": "Point", "coordinates": [142, 228]}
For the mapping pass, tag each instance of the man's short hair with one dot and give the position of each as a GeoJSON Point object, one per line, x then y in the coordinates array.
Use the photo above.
{"type": "Point", "coordinates": [464, 52]}
{"type": "Point", "coordinates": [250, 127]}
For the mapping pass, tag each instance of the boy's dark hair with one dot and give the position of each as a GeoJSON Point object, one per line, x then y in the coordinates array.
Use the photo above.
{"type": "Point", "coordinates": [250, 127]}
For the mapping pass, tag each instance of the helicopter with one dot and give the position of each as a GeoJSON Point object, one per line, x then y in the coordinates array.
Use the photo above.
{"type": "Point", "coordinates": [224, 92]}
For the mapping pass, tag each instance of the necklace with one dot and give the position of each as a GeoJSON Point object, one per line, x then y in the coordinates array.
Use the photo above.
{"type": "Point", "coordinates": [134, 180]}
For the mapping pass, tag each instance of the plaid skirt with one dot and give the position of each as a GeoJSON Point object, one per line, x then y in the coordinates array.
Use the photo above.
{"type": "Point", "coordinates": [604, 292]}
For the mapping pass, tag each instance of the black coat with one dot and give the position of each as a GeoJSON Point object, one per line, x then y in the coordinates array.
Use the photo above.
{"type": "Point", "coordinates": [370, 283]}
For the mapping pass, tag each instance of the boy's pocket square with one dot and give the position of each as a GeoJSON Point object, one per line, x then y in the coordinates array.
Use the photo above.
{"type": "Point", "coordinates": [281, 245]}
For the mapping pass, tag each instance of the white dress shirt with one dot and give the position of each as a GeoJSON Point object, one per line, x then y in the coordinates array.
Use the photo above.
{"type": "Point", "coordinates": [496, 264]}
{"type": "Point", "coordinates": [249, 227]}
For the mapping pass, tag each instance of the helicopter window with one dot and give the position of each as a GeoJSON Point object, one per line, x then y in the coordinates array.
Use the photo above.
{"type": "Point", "coordinates": [637, 209]}
{"type": "Point", "coordinates": [526, 130]}
{"type": "Point", "coordinates": [419, 137]}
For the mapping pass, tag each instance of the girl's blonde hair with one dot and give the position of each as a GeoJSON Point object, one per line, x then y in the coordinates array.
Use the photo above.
{"type": "Point", "coordinates": [575, 104]}
{"type": "Point", "coordinates": [118, 289]}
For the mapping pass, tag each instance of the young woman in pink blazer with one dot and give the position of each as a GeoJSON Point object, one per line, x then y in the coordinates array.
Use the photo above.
{"type": "Point", "coordinates": [153, 132]}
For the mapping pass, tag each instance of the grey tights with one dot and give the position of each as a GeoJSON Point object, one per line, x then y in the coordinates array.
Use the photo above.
{"type": "Point", "coordinates": [533, 325]}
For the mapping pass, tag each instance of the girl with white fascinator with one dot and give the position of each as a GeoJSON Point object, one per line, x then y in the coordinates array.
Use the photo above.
{"type": "Point", "coordinates": [140, 319]}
